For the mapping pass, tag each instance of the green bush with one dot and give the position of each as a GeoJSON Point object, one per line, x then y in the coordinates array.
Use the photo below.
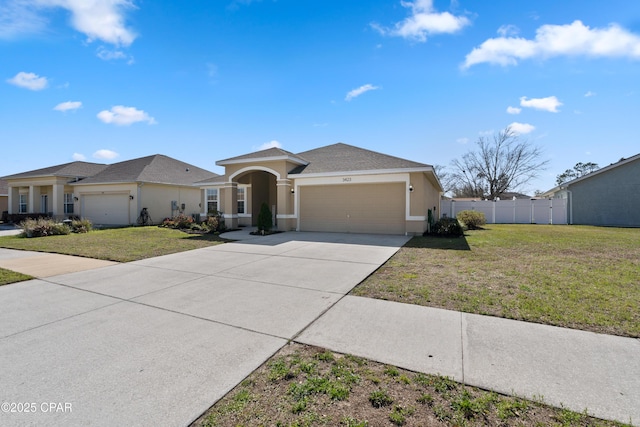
{"type": "Point", "coordinates": [180, 222]}
{"type": "Point", "coordinates": [81, 226]}
{"type": "Point", "coordinates": [43, 227]}
{"type": "Point", "coordinates": [264, 218]}
{"type": "Point", "coordinates": [473, 220]}
{"type": "Point", "coordinates": [446, 227]}
{"type": "Point", "coordinates": [215, 223]}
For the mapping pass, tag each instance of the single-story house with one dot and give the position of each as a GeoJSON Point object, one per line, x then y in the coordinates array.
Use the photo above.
{"type": "Point", "coordinates": [337, 188]}
{"type": "Point", "coordinates": [4, 196]}
{"type": "Point", "coordinates": [609, 196]}
{"type": "Point", "coordinates": [109, 194]}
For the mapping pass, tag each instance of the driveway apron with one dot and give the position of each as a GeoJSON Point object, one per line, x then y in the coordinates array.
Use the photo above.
{"type": "Point", "coordinates": [156, 342]}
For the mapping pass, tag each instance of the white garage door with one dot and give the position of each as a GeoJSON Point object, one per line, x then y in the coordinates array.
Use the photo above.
{"type": "Point", "coordinates": [108, 209]}
{"type": "Point", "coordinates": [353, 208]}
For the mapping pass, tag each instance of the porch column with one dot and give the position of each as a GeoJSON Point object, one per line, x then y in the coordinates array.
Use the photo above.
{"type": "Point", "coordinates": [31, 200]}
{"type": "Point", "coordinates": [14, 198]}
{"type": "Point", "coordinates": [286, 220]}
{"type": "Point", "coordinates": [57, 204]}
{"type": "Point", "coordinates": [230, 204]}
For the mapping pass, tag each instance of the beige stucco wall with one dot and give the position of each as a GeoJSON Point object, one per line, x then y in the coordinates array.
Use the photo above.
{"type": "Point", "coordinates": [4, 203]}
{"type": "Point", "coordinates": [157, 199]}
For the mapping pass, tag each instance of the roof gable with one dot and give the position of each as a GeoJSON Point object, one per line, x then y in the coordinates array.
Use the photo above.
{"type": "Point", "coordinates": [342, 157]}
{"type": "Point", "coordinates": [263, 155]}
{"type": "Point", "coordinates": [157, 169]}
{"type": "Point", "coordinates": [72, 170]}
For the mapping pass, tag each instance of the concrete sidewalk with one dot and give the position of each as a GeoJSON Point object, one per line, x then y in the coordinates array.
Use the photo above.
{"type": "Point", "coordinates": [158, 341]}
{"type": "Point", "coordinates": [575, 369]}
{"type": "Point", "coordinates": [42, 265]}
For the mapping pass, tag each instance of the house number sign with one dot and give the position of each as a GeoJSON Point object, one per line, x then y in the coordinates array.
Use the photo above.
{"type": "Point", "coordinates": [348, 179]}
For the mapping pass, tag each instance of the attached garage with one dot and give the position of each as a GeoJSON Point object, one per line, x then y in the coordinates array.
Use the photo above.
{"type": "Point", "coordinates": [107, 209]}
{"type": "Point", "coordinates": [354, 208]}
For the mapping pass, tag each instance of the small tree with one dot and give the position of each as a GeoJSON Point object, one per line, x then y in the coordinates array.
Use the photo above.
{"type": "Point", "coordinates": [580, 169]}
{"type": "Point", "coordinates": [264, 218]}
{"type": "Point", "coordinates": [500, 164]}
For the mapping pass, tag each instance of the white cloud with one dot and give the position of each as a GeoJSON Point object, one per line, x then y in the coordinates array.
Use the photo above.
{"type": "Point", "coordinates": [424, 21]}
{"type": "Point", "coordinates": [29, 81]}
{"type": "Point", "coordinates": [589, 94]}
{"type": "Point", "coordinates": [513, 110]}
{"type": "Point", "coordinates": [105, 154]}
{"type": "Point", "coordinates": [69, 105]}
{"type": "Point", "coordinates": [124, 116]}
{"type": "Point", "coordinates": [521, 128]}
{"type": "Point", "coordinates": [97, 19]}
{"type": "Point", "coordinates": [508, 30]}
{"type": "Point", "coordinates": [270, 144]}
{"type": "Point", "coordinates": [550, 103]}
{"type": "Point", "coordinates": [462, 140]}
{"type": "Point", "coordinates": [78, 157]}
{"type": "Point", "coordinates": [18, 17]}
{"type": "Point", "coordinates": [108, 55]}
{"type": "Point", "coordinates": [359, 91]}
{"type": "Point", "coordinates": [575, 39]}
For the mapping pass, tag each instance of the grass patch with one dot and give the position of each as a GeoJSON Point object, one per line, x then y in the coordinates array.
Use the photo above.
{"type": "Point", "coordinates": [118, 244]}
{"type": "Point", "coordinates": [579, 277]}
{"type": "Point", "coordinates": [265, 399]}
{"type": "Point", "coordinates": [8, 276]}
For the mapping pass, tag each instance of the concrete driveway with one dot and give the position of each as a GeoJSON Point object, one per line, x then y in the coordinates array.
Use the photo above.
{"type": "Point", "coordinates": [156, 342]}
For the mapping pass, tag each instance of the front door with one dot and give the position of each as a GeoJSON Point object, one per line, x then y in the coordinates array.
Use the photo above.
{"type": "Point", "coordinates": [43, 204]}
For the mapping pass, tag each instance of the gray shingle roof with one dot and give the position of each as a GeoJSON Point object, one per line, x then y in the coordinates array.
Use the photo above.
{"type": "Point", "coordinates": [157, 169]}
{"type": "Point", "coordinates": [72, 170]}
{"type": "Point", "coordinates": [347, 158]}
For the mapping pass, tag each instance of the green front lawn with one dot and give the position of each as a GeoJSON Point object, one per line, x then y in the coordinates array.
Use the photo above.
{"type": "Point", "coordinates": [119, 244]}
{"type": "Point", "coordinates": [8, 276]}
{"type": "Point", "coordinates": [573, 276]}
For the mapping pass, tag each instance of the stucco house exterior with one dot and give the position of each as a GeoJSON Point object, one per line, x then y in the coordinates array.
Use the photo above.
{"type": "Point", "coordinates": [609, 196]}
{"type": "Point", "coordinates": [337, 188]}
{"type": "Point", "coordinates": [4, 196]}
{"type": "Point", "coordinates": [109, 194]}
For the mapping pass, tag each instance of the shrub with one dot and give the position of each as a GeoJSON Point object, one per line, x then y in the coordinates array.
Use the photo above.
{"type": "Point", "coordinates": [473, 220]}
{"type": "Point", "coordinates": [446, 227]}
{"type": "Point", "coordinates": [264, 218]}
{"type": "Point", "coordinates": [43, 227]}
{"type": "Point", "coordinates": [215, 223]}
{"type": "Point", "coordinates": [81, 225]}
{"type": "Point", "coordinates": [181, 221]}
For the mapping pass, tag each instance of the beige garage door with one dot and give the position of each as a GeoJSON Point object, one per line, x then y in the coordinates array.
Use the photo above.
{"type": "Point", "coordinates": [108, 209]}
{"type": "Point", "coordinates": [353, 208]}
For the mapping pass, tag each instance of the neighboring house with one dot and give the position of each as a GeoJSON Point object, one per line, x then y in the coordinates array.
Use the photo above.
{"type": "Point", "coordinates": [338, 188]}
{"type": "Point", "coordinates": [110, 194]}
{"type": "Point", "coordinates": [4, 196]}
{"type": "Point", "coordinates": [609, 196]}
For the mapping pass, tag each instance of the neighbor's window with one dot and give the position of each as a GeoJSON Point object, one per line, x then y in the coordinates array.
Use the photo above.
{"type": "Point", "coordinates": [22, 203]}
{"type": "Point", "coordinates": [68, 203]}
{"type": "Point", "coordinates": [212, 200]}
{"type": "Point", "coordinates": [240, 200]}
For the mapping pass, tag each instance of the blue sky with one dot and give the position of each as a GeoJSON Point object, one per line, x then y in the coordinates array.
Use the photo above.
{"type": "Point", "coordinates": [203, 80]}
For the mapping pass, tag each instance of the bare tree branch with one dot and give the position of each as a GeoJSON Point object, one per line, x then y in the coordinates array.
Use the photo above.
{"type": "Point", "coordinates": [504, 162]}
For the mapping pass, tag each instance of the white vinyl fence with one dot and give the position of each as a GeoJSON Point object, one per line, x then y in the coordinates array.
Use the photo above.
{"type": "Point", "coordinates": [519, 211]}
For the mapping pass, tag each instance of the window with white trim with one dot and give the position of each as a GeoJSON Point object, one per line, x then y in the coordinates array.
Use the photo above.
{"type": "Point", "coordinates": [68, 203]}
{"type": "Point", "coordinates": [241, 199]}
{"type": "Point", "coordinates": [212, 201]}
{"type": "Point", "coordinates": [22, 203]}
